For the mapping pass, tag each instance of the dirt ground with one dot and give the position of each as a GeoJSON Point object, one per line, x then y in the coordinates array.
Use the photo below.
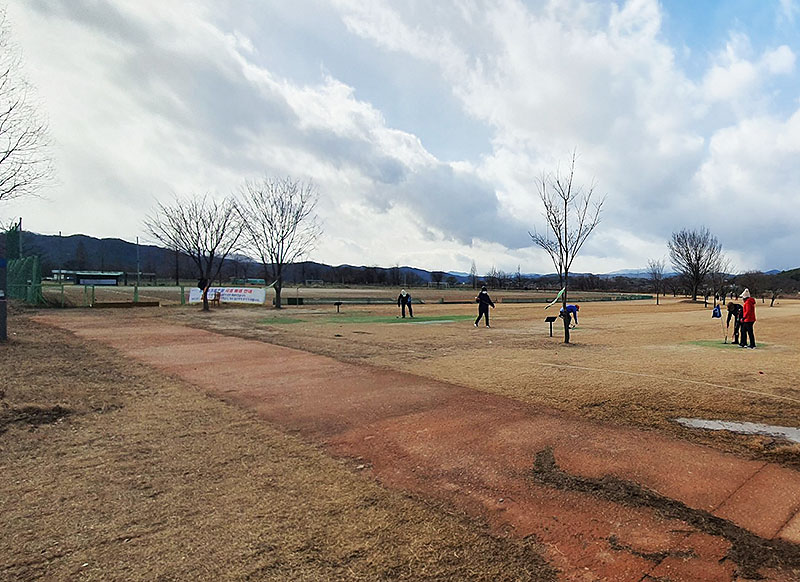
{"type": "Point", "coordinates": [107, 465]}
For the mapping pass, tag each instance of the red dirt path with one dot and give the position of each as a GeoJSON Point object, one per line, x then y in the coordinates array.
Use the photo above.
{"type": "Point", "coordinates": [477, 451]}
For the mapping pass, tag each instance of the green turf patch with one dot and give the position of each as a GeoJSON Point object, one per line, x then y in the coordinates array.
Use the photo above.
{"type": "Point", "coordinates": [718, 344]}
{"type": "Point", "coordinates": [280, 320]}
{"type": "Point", "coordinates": [345, 318]}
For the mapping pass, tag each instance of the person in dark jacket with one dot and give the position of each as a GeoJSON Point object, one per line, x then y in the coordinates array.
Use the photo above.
{"type": "Point", "coordinates": [748, 319]}
{"type": "Point", "coordinates": [734, 311]}
{"type": "Point", "coordinates": [403, 301]}
{"type": "Point", "coordinates": [484, 301]}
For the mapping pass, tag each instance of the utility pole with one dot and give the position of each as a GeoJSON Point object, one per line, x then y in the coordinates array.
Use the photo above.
{"type": "Point", "coordinates": [138, 269]}
{"type": "Point", "coordinates": [3, 298]}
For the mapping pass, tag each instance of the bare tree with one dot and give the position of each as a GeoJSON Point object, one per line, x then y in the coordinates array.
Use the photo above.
{"type": "Point", "coordinates": [200, 227]}
{"type": "Point", "coordinates": [492, 278]}
{"type": "Point", "coordinates": [24, 161]}
{"type": "Point", "coordinates": [655, 269]}
{"type": "Point", "coordinates": [280, 223]}
{"type": "Point", "coordinates": [473, 273]}
{"type": "Point", "coordinates": [779, 283]}
{"type": "Point", "coordinates": [754, 281]}
{"type": "Point", "coordinates": [719, 277]}
{"type": "Point", "coordinates": [571, 217]}
{"type": "Point", "coordinates": [694, 254]}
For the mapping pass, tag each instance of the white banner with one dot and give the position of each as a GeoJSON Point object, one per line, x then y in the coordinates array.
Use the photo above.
{"type": "Point", "coordinates": [231, 294]}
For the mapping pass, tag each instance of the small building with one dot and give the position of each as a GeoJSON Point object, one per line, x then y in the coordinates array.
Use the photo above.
{"type": "Point", "coordinates": [88, 277]}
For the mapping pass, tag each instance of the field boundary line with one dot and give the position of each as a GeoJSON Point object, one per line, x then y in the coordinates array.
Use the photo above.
{"type": "Point", "coordinates": [657, 377]}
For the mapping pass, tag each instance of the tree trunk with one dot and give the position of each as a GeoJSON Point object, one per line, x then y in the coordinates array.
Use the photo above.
{"type": "Point", "coordinates": [278, 286]}
{"type": "Point", "coordinates": [566, 317]}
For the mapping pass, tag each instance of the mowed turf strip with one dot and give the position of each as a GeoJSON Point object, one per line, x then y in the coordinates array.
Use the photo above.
{"type": "Point", "coordinates": [111, 471]}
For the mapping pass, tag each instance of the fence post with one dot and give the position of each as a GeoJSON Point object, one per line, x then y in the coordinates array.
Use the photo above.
{"type": "Point", "coordinates": [3, 300]}
{"type": "Point", "coordinates": [92, 295]}
{"type": "Point", "coordinates": [136, 294]}
{"type": "Point", "coordinates": [183, 296]}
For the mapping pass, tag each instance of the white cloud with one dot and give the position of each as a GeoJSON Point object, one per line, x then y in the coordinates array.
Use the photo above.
{"type": "Point", "coordinates": [150, 98]}
{"type": "Point", "coordinates": [788, 10]}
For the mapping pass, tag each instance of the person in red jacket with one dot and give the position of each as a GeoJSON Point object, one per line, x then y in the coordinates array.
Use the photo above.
{"type": "Point", "coordinates": [748, 319]}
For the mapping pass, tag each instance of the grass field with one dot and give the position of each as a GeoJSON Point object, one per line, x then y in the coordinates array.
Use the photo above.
{"type": "Point", "coordinates": [111, 471]}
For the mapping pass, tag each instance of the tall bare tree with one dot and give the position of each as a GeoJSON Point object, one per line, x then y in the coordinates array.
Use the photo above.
{"type": "Point", "coordinates": [473, 273]}
{"type": "Point", "coordinates": [571, 216]}
{"type": "Point", "coordinates": [24, 161]}
{"type": "Point", "coordinates": [25, 164]}
{"type": "Point", "coordinates": [719, 277]}
{"type": "Point", "coordinates": [280, 223]}
{"type": "Point", "coordinates": [694, 254]}
{"type": "Point", "coordinates": [655, 270]}
{"type": "Point", "coordinates": [204, 229]}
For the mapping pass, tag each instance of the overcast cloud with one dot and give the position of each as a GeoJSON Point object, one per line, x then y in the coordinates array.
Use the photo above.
{"type": "Point", "coordinates": [425, 124]}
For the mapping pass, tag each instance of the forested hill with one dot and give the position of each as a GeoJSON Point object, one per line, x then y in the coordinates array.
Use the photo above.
{"type": "Point", "coordinates": [81, 252]}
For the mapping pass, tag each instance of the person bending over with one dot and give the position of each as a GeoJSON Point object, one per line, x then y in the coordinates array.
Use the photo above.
{"type": "Point", "coordinates": [734, 311]}
{"type": "Point", "coordinates": [572, 312]}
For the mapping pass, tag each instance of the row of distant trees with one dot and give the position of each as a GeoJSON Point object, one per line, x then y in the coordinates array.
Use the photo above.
{"type": "Point", "coordinates": [703, 270]}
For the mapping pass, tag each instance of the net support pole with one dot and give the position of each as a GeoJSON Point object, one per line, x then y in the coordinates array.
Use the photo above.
{"type": "Point", "coordinates": [3, 300]}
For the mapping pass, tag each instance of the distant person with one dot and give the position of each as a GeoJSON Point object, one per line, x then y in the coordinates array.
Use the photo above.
{"type": "Point", "coordinates": [734, 311]}
{"type": "Point", "coordinates": [403, 301]}
{"type": "Point", "coordinates": [484, 301]}
{"type": "Point", "coordinates": [748, 319]}
{"type": "Point", "coordinates": [572, 313]}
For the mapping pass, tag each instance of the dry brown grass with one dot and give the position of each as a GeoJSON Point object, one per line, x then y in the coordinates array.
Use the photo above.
{"type": "Point", "coordinates": [110, 471]}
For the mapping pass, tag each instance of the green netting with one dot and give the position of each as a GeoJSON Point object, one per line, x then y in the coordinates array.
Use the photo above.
{"type": "Point", "coordinates": [25, 280]}
{"type": "Point", "coordinates": [12, 243]}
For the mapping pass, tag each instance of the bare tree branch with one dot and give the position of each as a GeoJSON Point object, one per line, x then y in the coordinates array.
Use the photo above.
{"type": "Point", "coordinates": [694, 254]}
{"type": "Point", "coordinates": [571, 216]}
{"type": "Point", "coordinates": [280, 223]}
{"type": "Point", "coordinates": [200, 227]}
{"type": "Point", "coordinates": [655, 269]}
{"type": "Point", "coordinates": [25, 164]}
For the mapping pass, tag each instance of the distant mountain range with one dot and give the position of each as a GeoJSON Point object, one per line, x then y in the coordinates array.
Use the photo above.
{"type": "Point", "coordinates": [81, 252]}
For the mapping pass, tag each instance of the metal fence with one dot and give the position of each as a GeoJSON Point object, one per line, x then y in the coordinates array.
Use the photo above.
{"type": "Point", "coordinates": [25, 280]}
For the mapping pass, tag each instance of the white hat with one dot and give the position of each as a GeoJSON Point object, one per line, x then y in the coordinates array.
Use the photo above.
{"type": "Point", "coordinates": [745, 294]}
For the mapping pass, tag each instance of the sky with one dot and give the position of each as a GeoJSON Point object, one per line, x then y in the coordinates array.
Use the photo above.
{"type": "Point", "coordinates": [425, 126]}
